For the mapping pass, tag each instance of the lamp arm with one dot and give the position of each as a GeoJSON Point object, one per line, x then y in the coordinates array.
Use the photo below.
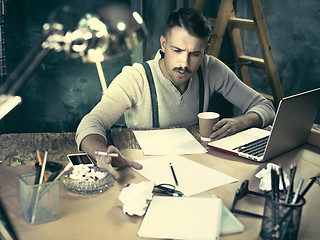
{"type": "Point", "coordinates": [18, 79]}
{"type": "Point", "coordinates": [28, 65]}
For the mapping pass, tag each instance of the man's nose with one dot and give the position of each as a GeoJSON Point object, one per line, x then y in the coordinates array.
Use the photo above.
{"type": "Point", "coordinates": [184, 60]}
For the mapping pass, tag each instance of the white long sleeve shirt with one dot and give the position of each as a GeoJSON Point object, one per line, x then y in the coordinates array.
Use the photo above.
{"type": "Point", "coordinates": [129, 94]}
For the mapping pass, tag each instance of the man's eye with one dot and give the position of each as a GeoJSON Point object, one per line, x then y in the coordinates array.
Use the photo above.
{"type": "Point", "coordinates": [176, 50]}
{"type": "Point", "coordinates": [196, 54]}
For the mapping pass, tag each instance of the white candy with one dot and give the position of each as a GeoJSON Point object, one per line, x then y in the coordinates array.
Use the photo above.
{"type": "Point", "coordinates": [85, 173]}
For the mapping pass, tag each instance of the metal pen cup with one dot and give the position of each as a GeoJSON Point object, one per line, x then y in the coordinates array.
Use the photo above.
{"type": "Point", "coordinates": [281, 220]}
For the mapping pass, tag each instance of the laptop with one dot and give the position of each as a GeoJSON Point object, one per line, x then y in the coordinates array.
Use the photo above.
{"type": "Point", "coordinates": [290, 129]}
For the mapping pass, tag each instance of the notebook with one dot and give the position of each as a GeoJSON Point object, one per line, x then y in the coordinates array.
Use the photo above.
{"type": "Point", "coordinates": [229, 223]}
{"type": "Point", "coordinates": [182, 218]}
{"type": "Point", "coordinates": [290, 129]}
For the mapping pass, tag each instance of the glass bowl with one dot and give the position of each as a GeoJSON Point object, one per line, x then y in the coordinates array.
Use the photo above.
{"type": "Point", "coordinates": [87, 180]}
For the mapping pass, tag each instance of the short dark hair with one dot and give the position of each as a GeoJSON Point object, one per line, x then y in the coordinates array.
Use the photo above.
{"type": "Point", "coordinates": [192, 20]}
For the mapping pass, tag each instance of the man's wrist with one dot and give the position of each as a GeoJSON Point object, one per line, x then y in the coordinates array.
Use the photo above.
{"type": "Point", "coordinates": [251, 119]}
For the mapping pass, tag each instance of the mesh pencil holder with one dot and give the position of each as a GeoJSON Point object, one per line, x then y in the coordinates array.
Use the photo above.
{"type": "Point", "coordinates": [281, 220]}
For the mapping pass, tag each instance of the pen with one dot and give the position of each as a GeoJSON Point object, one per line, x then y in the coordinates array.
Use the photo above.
{"type": "Point", "coordinates": [296, 199]}
{"type": "Point", "coordinates": [68, 167]}
{"type": "Point", "coordinates": [106, 154]}
{"type": "Point", "coordinates": [292, 175]}
{"type": "Point", "coordinates": [45, 178]}
{"type": "Point", "coordinates": [277, 180]}
{"type": "Point", "coordinates": [313, 180]}
{"type": "Point", "coordinates": [282, 179]}
{"type": "Point", "coordinates": [43, 167]}
{"type": "Point", "coordinates": [272, 184]}
{"type": "Point", "coordinates": [174, 175]}
{"type": "Point", "coordinates": [296, 195]}
{"type": "Point", "coordinates": [275, 196]}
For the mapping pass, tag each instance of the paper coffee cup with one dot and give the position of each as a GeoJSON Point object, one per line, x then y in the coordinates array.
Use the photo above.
{"type": "Point", "coordinates": [206, 122]}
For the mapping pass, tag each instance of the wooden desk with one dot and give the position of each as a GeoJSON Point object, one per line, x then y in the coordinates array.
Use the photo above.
{"type": "Point", "coordinates": [100, 216]}
{"type": "Point", "coordinates": [20, 148]}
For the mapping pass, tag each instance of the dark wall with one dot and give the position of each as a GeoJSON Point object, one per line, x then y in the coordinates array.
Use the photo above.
{"type": "Point", "coordinates": [294, 32]}
{"type": "Point", "coordinates": [63, 90]}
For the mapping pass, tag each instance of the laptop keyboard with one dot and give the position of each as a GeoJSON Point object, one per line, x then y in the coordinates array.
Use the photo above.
{"type": "Point", "coordinates": [255, 148]}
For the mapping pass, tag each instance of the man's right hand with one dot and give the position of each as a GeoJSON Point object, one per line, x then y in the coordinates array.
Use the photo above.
{"type": "Point", "coordinates": [119, 162]}
{"type": "Point", "coordinates": [94, 142]}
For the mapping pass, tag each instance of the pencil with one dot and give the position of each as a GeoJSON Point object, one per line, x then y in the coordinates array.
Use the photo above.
{"type": "Point", "coordinates": [296, 195]}
{"type": "Point", "coordinates": [174, 174]}
{"type": "Point", "coordinates": [275, 195]}
{"type": "Point", "coordinates": [43, 167]}
{"type": "Point", "coordinates": [277, 185]}
{"type": "Point", "coordinates": [106, 154]}
{"type": "Point", "coordinates": [40, 164]}
{"type": "Point", "coordinates": [292, 175]}
{"type": "Point", "coordinates": [273, 184]}
{"type": "Point", "coordinates": [69, 166]}
{"type": "Point", "coordinates": [282, 179]}
{"type": "Point", "coordinates": [63, 171]}
{"type": "Point", "coordinates": [45, 178]}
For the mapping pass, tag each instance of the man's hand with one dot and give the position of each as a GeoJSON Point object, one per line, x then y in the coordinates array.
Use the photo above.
{"type": "Point", "coordinates": [95, 142]}
{"type": "Point", "coordinates": [230, 126]}
{"type": "Point", "coordinates": [119, 162]}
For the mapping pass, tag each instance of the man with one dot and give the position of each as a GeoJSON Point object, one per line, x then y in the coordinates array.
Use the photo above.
{"type": "Point", "coordinates": [176, 82]}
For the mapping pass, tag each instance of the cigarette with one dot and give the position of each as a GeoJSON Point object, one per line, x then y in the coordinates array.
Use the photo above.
{"type": "Point", "coordinates": [106, 154]}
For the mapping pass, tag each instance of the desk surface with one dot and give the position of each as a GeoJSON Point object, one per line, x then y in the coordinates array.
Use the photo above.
{"type": "Point", "coordinates": [100, 216]}
{"type": "Point", "coordinates": [20, 148]}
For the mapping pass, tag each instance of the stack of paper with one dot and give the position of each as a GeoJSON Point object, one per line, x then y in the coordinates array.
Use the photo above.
{"type": "Point", "coordinates": [168, 141]}
{"type": "Point", "coordinates": [182, 218]}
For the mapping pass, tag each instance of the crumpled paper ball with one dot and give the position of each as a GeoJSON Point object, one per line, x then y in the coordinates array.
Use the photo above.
{"type": "Point", "coordinates": [135, 196]}
{"type": "Point", "coordinates": [265, 175]}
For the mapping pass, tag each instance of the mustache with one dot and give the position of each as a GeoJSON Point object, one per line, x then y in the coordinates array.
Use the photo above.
{"type": "Point", "coordinates": [180, 69]}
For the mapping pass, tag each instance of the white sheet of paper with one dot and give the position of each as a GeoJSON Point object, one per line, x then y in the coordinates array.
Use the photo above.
{"type": "Point", "coordinates": [168, 141]}
{"type": "Point", "coordinates": [182, 218]}
{"type": "Point", "coordinates": [192, 177]}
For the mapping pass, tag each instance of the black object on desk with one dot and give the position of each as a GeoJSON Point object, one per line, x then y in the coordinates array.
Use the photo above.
{"type": "Point", "coordinates": [53, 167]}
{"type": "Point", "coordinates": [242, 192]}
{"type": "Point", "coordinates": [167, 189]}
{"type": "Point", "coordinates": [174, 174]}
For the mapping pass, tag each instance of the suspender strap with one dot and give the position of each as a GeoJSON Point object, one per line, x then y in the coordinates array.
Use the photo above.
{"type": "Point", "coordinates": [153, 94]}
{"type": "Point", "coordinates": [201, 89]}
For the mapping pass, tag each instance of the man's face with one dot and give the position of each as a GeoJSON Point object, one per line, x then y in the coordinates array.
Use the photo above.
{"type": "Point", "coordinates": [183, 55]}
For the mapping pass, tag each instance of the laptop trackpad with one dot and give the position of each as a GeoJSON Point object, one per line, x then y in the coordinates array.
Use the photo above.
{"type": "Point", "coordinates": [240, 138]}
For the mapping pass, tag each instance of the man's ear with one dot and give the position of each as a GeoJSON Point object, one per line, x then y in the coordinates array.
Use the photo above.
{"type": "Point", "coordinates": [207, 48]}
{"type": "Point", "coordinates": [163, 43]}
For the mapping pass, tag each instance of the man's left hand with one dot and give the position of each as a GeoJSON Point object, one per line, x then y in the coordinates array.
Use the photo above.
{"type": "Point", "coordinates": [230, 126]}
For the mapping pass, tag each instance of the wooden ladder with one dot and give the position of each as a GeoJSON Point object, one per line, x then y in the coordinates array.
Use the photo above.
{"type": "Point", "coordinates": [226, 17]}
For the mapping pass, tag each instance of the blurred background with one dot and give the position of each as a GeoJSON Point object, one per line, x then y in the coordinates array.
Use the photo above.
{"type": "Point", "coordinates": [63, 90]}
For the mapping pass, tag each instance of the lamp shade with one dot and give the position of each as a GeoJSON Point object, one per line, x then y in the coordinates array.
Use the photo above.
{"type": "Point", "coordinates": [107, 32]}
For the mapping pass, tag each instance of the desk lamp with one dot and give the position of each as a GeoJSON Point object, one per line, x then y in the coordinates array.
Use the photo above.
{"type": "Point", "coordinates": [103, 34]}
